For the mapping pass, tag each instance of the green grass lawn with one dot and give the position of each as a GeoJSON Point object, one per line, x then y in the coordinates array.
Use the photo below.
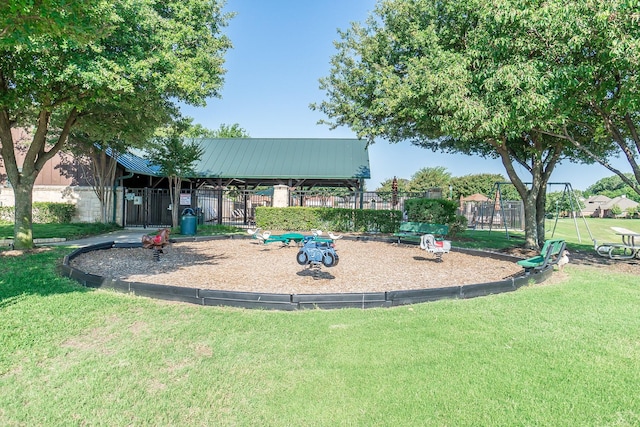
{"type": "Point", "coordinates": [597, 228]}
{"type": "Point", "coordinates": [563, 353]}
{"type": "Point", "coordinates": [578, 234]}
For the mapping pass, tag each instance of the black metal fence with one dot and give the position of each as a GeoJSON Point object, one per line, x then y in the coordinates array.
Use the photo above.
{"type": "Point", "coordinates": [148, 207]}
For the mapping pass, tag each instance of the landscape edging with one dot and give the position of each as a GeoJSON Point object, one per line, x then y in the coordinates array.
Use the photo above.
{"type": "Point", "coordinates": [291, 302]}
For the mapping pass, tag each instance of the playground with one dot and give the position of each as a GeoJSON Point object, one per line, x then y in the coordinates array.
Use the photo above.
{"type": "Point", "coordinates": [248, 265]}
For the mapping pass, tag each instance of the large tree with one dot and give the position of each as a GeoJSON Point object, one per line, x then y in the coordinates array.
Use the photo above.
{"type": "Point", "coordinates": [590, 50]}
{"type": "Point", "coordinates": [58, 69]}
{"type": "Point", "coordinates": [430, 177]}
{"type": "Point", "coordinates": [454, 76]}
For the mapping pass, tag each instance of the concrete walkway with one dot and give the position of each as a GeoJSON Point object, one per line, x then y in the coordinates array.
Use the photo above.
{"type": "Point", "coordinates": [127, 235]}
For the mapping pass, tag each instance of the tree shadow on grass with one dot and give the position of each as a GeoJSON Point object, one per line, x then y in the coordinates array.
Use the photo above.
{"type": "Point", "coordinates": [33, 273]}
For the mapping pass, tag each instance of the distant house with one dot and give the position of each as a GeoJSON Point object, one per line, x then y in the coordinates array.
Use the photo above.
{"type": "Point", "coordinates": [622, 202]}
{"type": "Point", "coordinates": [593, 205]}
{"type": "Point", "coordinates": [602, 206]}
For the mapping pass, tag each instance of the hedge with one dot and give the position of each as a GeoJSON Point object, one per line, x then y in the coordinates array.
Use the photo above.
{"type": "Point", "coordinates": [43, 213]}
{"type": "Point", "coordinates": [330, 219]}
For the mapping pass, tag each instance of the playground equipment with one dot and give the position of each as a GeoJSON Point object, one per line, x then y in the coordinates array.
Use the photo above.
{"type": "Point", "coordinates": [287, 238]}
{"type": "Point", "coordinates": [157, 242]}
{"type": "Point", "coordinates": [315, 252]}
{"type": "Point", "coordinates": [437, 247]}
{"type": "Point", "coordinates": [334, 236]}
{"type": "Point", "coordinates": [568, 194]}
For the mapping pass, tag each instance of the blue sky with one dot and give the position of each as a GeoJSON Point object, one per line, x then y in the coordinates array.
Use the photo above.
{"type": "Point", "coordinates": [281, 49]}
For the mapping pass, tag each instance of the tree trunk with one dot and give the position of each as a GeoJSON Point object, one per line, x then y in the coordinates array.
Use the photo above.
{"type": "Point", "coordinates": [541, 199]}
{"type": "Point", "coordinates": [174, 193]}
{"type": "Point", "coordinates": [35, 158]}
{"type": "Point", "coordinates": [23, 224]}
{"type": "Point", "coordinates": [528, 197]}
{"type": "Point", "coordinates": [103, 176]}
{"type": "Point", "coordinates": [540, 164]}
{"type": "Point", "coordinates": [530, 224]}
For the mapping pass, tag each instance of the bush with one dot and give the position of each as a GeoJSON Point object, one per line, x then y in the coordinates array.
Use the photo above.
{"type": "Point", "coordinates": [43, 213]}
{"type": "Point", "coordinates": [7, 214]}
{"type": "Point", "coordinates": [334, 219]}
{"type": "Point", "coordinates": [432, 211]}
{"type": "Point", "coordinates": [457, 226]}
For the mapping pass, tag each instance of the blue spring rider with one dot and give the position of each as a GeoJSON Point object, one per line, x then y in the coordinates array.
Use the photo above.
{"type": "Point", "coordinates": [317, 251]}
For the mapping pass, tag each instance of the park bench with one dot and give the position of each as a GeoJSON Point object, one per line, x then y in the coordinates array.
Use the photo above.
{"type": "Point", "coordinates": [549, 255]}
{"type": "Point", "coordinates": [415, 230]}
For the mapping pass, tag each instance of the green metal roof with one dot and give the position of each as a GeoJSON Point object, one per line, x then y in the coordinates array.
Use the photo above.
{"type": "Point", "coordinates": [258, 161]}
{"type": "Point", "coordinates": [291, 158]}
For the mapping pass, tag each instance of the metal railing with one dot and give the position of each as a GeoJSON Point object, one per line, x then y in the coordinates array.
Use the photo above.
{"type": "Point", "coordinates": [147, 207]}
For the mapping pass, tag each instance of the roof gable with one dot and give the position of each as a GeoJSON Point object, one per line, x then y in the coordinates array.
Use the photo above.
{"type": "Point", "coordinates": [620, 201]}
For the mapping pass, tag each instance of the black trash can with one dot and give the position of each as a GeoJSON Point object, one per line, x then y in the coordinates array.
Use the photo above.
{"type": "Point", "coordinates": [188, 222]}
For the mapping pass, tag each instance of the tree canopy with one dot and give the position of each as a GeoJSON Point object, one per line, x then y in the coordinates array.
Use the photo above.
{"type": "Point", "coordinates": [113, 67]}
{"type": "Point", "coordinates": [387, 185]}
{"type": "Point", "coordinates": [224, 131]}
{"type": "Point", "coordinates": [485, 184]}
{"type": "Point", "coordinates": [591, 59]}
{"type": "Point", "coordinates": [430, 177]}
{"type": "Point", "coordinates": [483, 78]}
{"type": "Point", "coordinates": [613, 186]}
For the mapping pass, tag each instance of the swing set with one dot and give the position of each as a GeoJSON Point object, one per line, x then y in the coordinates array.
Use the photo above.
{"type": "Point", "coordinates": [567, 194]}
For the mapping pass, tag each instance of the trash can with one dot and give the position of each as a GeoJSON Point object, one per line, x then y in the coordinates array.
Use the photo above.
{"type": "Point", "coordinates": [188, 222]}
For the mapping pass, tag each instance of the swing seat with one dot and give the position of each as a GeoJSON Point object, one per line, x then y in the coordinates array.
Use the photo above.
{"type": "Point", "coordinates": [550, 254]}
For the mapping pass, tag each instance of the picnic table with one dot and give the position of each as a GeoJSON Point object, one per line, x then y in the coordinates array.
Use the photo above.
{"type": "Point", "coordinates": [627, 249]}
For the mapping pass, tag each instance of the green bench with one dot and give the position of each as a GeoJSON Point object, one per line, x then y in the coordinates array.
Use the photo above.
{"type": "Point", "coordinates": [549, 255]}
{"type": "Point", "coordinates": [415, 230]}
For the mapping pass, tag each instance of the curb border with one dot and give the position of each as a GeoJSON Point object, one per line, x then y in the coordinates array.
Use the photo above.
{"type": "Point", "coordinates": [291, 302]}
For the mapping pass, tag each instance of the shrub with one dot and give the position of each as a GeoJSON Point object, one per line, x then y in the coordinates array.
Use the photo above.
{"type": "Point", "coordinates": [7, 214]}
{"type": "Point", "coordinates": [334, 219]}
{"type": "Point", "coordinates": [458, 225]}
{"type": "Point", "coordinates": [53, 213]}
{"type": "Point", "coordinates": [433, 211]}
{"type": "Point", "coordinates": [43, 213]}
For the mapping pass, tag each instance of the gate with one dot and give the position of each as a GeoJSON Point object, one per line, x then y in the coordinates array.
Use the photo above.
{"type": "Point", "coordinates": [149, 207]}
